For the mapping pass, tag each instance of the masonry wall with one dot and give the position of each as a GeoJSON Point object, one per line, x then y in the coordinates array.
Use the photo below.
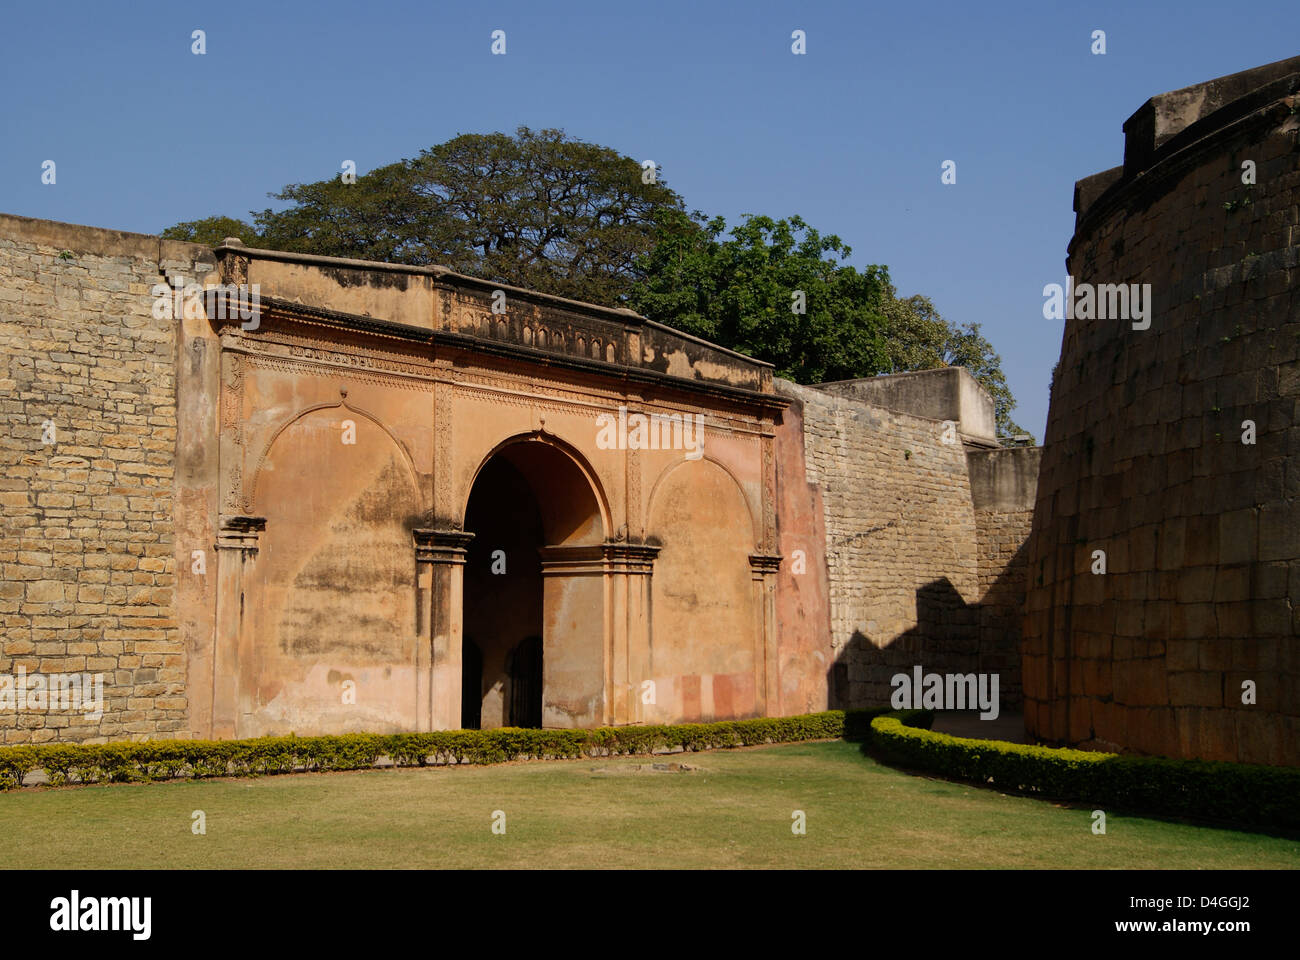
{"type": "Point", "coordinates": [1003, 487]}
{"type": "Point", "coordinates": [1144, 458]}
{"type": "Point", "coordinates": [906, 551]}
{"type": "Point", "coordinates": [87, 572]}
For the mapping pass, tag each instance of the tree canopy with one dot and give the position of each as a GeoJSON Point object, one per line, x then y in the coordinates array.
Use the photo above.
{"type": "Point", "coordinates": [550, 213]}
{"type": "Point", "coordinates": [537, 210]}
{"type": "Point", "coordinates": [781, 292]}
{"type": "Point", "coordinates": [210, 231]}
{"type": "Point", "coordinates": [772, 289]}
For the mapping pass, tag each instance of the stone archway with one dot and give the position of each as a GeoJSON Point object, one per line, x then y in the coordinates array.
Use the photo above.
{"type": "Point", "coordinates": [316, 599]}
{"type": "Point", "coordinates": [533, 590]}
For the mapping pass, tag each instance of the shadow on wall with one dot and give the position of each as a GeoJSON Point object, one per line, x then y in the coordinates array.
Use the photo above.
{"type": "Point", "coordinates": [950, 636]}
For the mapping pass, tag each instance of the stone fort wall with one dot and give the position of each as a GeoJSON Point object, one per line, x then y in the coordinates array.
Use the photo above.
{"type": "Point", "coordinates": [1144, 456]}
{"type": "Point", "coordinates": [924, 564]}
{"type": "Point", "coordinates": [87, 571]}
{"type": "Point", "coordinates": [1004, 484]}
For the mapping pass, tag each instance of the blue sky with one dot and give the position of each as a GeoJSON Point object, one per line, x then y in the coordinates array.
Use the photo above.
{"type": "Point", "coordinates": [851, 136]}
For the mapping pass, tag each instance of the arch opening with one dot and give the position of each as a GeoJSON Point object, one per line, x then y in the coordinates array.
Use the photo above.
{"type": "Point", "coordinates": [533, 625]}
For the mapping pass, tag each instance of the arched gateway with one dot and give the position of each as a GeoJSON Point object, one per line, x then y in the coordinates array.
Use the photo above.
{"type": "Point", "coordinates": [534, 610]}
{"type": "Point", "coordinates": [432, 515]}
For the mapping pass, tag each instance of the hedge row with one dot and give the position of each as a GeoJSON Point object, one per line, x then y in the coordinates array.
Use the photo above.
{"type": "Point", "coordinates": [172, 759]}
{"type": "Point", "coordinates": [1242, 793]}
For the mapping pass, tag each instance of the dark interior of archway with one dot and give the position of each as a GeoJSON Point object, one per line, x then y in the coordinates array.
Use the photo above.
{"type": "Point", "coordinates": [502, 653]}
{"type": "Point", "coordinates": [471, 685]}
{"type": "Point", "coordinates": [524, 668]}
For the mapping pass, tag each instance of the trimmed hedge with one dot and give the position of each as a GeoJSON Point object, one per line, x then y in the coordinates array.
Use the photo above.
{"type": "Point", "coordinates": [66, 763]}
{"type": "Point", "coordinates": [1238, 792]}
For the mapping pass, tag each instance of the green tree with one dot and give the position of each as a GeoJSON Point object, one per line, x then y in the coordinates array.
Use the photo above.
{"type": "Point", "coordinates": [384, 215]}
{"type": "Point", "coordinates": [537, 209]}
{"type": "Point", "coordinates": [773, 289]}
{"type": "Point", "coordinates": [738, 291]}
{"type": "Point", "coordinates": [212, 230]}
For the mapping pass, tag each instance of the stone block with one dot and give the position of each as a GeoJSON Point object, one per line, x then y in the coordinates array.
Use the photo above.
{"type": "Point", "coordinates": [1196, 689]}
{"type": "Point", "coordinates": [1238, 536]}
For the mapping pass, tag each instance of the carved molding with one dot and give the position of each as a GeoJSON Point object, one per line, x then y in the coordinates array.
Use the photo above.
{"type": "Point", "coordinates": [441, 546]}
{"type": "Point", "coordinates": [232, 424]}
{"type": "Point", "coordinates": [537, 326]}
{"type": "Point", "coordinates": [769, 492]}
{"type": "Point", "coordinates": [582, 337]}
{"type": "Point", "coordinates": [239, 533]}
{"type": "Point", "coordinates": [636, 506]}
{"type": "Point", "coordinates": [635, 558]}
{"type": "Point", "coordinates": [234, 269]}
{"type": "Point", "coordinates": [366, 369]}
{"type": "Point", "coordinates": [444, 496]}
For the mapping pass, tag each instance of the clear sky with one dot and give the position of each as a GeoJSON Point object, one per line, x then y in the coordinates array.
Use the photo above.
{"type": "Point", "coordinates": [851, 135]}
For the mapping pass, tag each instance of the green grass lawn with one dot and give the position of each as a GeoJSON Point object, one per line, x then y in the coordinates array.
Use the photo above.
{"type": "Point", "coordinates": [733, 810]}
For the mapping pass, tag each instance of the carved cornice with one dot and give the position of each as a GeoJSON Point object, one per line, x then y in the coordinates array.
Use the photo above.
{"type": "Point", "coordinates": [310, 347]}
{"type": "Point", "coordinates": [770, 403]}
{"type": "Point", "coordinates": [637, 558]}
{"type": "Point", "coordinates": [276, 311]}
{"type": "Point", "coordinates": [764, 563]}
{"type": "Point", "coordinates": [239, 533]}
{"type": "Point", "coordinates": [441, 546]}
{"type": "Point", "coordinates": [358, 371]}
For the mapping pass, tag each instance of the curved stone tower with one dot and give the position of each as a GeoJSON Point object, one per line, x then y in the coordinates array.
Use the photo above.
{"type": "Point", "coordinates": [1172, 455]}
